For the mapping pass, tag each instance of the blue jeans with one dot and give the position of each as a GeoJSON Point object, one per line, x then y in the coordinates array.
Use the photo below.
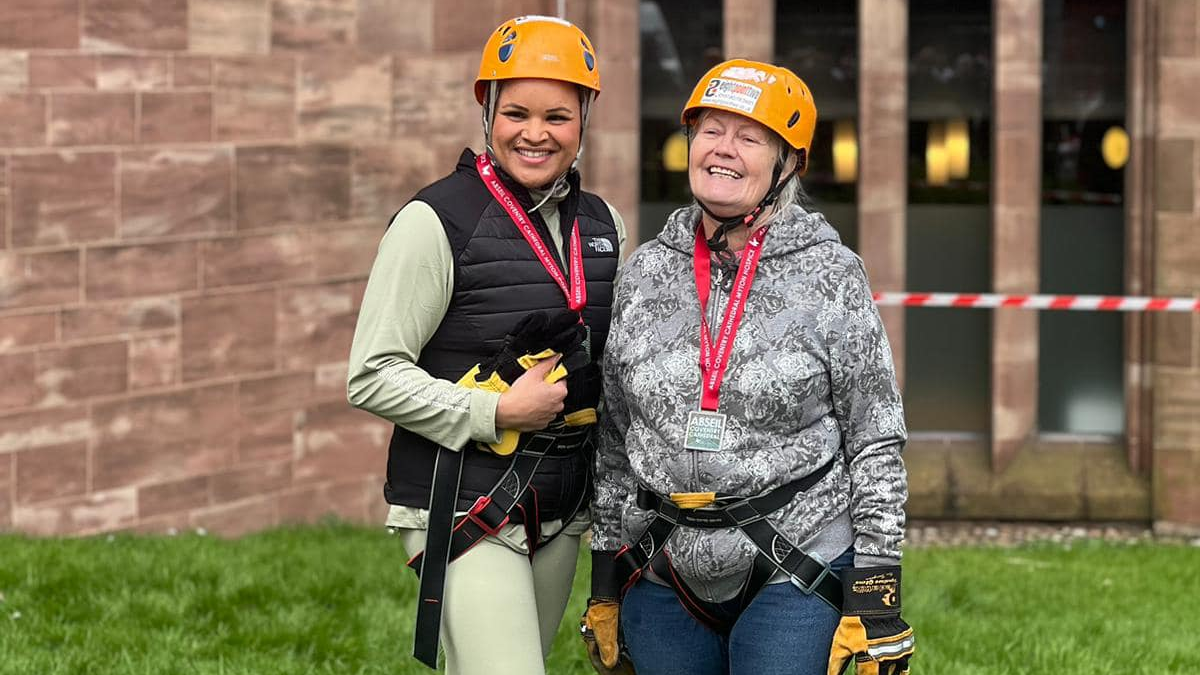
{"type": "Point", "coordinates": [782, 632]}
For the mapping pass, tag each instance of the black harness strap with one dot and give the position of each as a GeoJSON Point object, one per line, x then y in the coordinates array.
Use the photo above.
{"type": "Point", "coordinates": [775, 552]}
{"type": "Point", "coordinates": [447, 539]}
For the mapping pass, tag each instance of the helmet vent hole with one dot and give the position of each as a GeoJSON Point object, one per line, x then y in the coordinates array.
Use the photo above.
{"type": "Point", "coordinates": [589, 61]}
{"type": "Point", "coordinates": [793, 119]}
{"type": "Point", "coordinates": [505, 52]}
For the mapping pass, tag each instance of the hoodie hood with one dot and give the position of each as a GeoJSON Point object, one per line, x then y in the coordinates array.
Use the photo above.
{"type": "Point", "coordinates": [792, 229]}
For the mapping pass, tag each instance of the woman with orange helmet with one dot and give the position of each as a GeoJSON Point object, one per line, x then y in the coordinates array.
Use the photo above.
{"type": "Point", "coordinates": [482, 325]}
{"type": "Point", "coordinates": [749, 486]}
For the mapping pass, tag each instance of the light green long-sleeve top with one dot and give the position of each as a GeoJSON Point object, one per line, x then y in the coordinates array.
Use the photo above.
{"type": "Point", "coordinates": [407, 296]}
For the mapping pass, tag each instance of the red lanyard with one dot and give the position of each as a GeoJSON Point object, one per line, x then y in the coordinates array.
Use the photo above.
{"type": "Point", "coordinates": [577, 292]}
{"type": "Point", "coordinates": [714, 362]}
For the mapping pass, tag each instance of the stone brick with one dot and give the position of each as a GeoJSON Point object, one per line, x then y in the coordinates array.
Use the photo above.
{"type": "Point", "coordinates": [401, 26]}
{"type": "Point", "coordinates": [173, 496]}
{"type": "Point", "coordinates": [51, 472]}
{"type": "Point", "coordinates": [191, 71]}
{"type": "Point", "coordinates": [348, 500]}
{"type": "Point", "coordinates": [153, 361]}
{"type": "Point", "coordinates": [14, 71]}
{"type": "Point", "coordinates": [24, 118]}
{"type": "Point", "coordinates": [76, 373]}
{"type": "Point", "coordinates": [1112, 491]}
{"type": "Point", "coordinates": [156, 438]}
{"type": "Point", "coordinates": [7, 490]}
{"type": "Point", "coordinates": [91, 118]}
{"type": "Point", "coordinates": [284, 184]}
{"type": "Point", "coordinates": [123, 72]}
{"type": "Point", "coordinates": [1179, 99]}
{"type": "Point", "coordinates": [344, 97]}
{"type": "Point", "coordinates": [457, 26]}
{"type": "Point", "coordinates": [1173, 339]}
{"type": "Point", "coordinates": [1175, 176]}
{"type": "Point", "coordinates": [20, 388]}
{"type": "Point", "coordinates": [265, 435]}
{"type": "Point", "coordinates": [312, 25]}
{"type": "Point", "coordinates": [1178, 22]}
{"type": "Point", "coordinates": [1176, 491]}
{"type": "Point", "coordinates": [329, 381]}
{"type": "Point", "coordinates": [174, 192]}
{"type": "Point", "coordinates": [346, 251]}
{"type": "Point", "coordinates": [431, 95]}
{"type": "Point", "coordinates": [62, 198]}
{"type": "Point", "coordinates": [1177, 251]}
{"type": "Point", "coordinates": [130, 271]}
{"type": "Point", "coordinates": [176, 117]}
{"type": "Point", "coordinates": [1176, 400]}
{"type": "Point", "coordinates": [338, 441]}
{"type": "Point", "coordinates": [27, 330]}
{"type": "Point", "coordinates": [230, 26]}
{"type": "Point", "coordinates": [117, 25]}
{"type": "Point", "coordinates": [33, 279]}
{"type": "Point", "coordinates": [42, 428]}
{"type": "Point", "coordinates": [316, 323]}
{"type": "Point", "coordinates": [255, 97]}
{"type": "Point", "coordinates": [230, 261]}
{"type": "Point", "coordinates": [287, 390]}
{"type": "Point", "coordinates": [929, 493]}
{"type": "Point", "coordinates": [96, 512]}
{"type": "Point", "coordinates": [39, 24]}
{"type": "Point", "coordinates": [239, 518]}
{"type": "Point", "coordinates": [1037, 485]}
{"type": "Point", "coordinates": [228, 334]}
{"type": "Point", "coordinates": [251, 481]}
{"type": "Point", "coordinates": [63, 71]}
{"type": "Point", "coordinates": [166, 525]}
{"type": "Point", "coordinates": [101, 319]}
{"type": "Point", "coordinates": [385, 177]}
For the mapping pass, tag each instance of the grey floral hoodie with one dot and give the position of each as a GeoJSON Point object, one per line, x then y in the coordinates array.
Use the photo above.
{"type": "Point", "coordinates": [810, 378]}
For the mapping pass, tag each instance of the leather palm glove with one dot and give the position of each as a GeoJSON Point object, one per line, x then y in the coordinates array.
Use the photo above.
{"type": "Point", "coordinates": [871, 631]}
{"type": "Point", "coordinates": [600, 627]}
{"type": "Point", "coordinates": [537, 336]}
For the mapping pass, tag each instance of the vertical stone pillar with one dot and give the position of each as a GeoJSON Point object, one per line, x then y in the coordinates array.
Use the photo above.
{"type": "Point", "coordinates": [1016, 204]}
{"type": "Point", "coordinates": [882, 154]}
{"type": "Point", "coordinates": [1176, 255]}
{"type": "Point", "coordinates": [749, 29]}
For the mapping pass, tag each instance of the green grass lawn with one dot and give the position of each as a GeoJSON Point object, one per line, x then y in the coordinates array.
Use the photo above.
{"type": "Point", "coordinates": [337, 599]}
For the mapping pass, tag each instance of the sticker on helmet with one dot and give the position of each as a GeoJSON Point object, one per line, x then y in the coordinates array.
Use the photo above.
{"type": "Point", "coordinates": [731, 94]}
{"type": "Point", "coordinates": [748, 74]}
{"type": "Point", "coordinates": [538, 17]}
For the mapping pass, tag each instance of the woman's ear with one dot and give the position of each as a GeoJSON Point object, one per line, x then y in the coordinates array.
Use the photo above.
{"type": "Point", "coordinates": [801, 160]}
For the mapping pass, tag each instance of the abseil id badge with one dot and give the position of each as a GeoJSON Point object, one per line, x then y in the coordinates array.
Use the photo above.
{"type": "Point", "coordinates": [705, 429]}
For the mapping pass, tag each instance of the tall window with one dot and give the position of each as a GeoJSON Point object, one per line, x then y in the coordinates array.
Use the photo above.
{"type": "Point", "coordinates": [1085, 147]}
{"type": "Point", "coordinates": [818, 40]}
{"type": "Point", "coordinates": [947, 351]}
{"type": "Point", "coordinates": [680, 42]}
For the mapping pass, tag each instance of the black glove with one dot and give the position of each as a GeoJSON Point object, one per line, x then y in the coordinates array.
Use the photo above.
{"type": "Point", "coordinates": [871, 630]}
{"type": "Point", "coordinates": [600, 624]}
{"type": "Point", "coordinates": [537, 336]}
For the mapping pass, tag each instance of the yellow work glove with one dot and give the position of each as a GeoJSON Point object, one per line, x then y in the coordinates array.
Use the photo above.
{"type": "Point", "coordinates": [871, 632]}
{"type": "Point", "coordinates": [600, 626]}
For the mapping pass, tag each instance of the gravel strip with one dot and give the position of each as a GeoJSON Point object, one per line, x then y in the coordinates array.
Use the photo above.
{"type": "Point", "coordinates": [932, 534]}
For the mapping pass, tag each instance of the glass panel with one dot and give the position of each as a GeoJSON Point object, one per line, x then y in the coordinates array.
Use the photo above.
{"type": "Point", "coordinates": [1080, 379]}
{"type": "Point", "coordinates": [679, 42]}
{"type": "Point", "coordinates": [948, 351]}
{"type": "Point", "coordinates": [947, 356]}
{"type": "Point", "coordinates": [818, 41]}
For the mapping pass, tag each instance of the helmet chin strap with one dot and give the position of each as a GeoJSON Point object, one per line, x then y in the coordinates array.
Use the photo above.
{"type": "Point", "coordinates": [719, 241]}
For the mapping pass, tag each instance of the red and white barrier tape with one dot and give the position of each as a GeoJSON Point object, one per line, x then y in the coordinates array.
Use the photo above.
{"type": "Point", "coordinates": [1108, 303]}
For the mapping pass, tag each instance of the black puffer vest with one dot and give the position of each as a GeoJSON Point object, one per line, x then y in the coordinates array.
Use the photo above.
{"type": "Point", "coordinates": [498, 280]}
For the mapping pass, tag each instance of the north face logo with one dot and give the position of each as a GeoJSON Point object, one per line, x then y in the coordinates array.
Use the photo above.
{"type": "Point", "coordinates": [600, 245]}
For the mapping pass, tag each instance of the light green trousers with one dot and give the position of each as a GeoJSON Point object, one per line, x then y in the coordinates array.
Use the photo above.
{"type": "Point", "coordinates": [500, 613]}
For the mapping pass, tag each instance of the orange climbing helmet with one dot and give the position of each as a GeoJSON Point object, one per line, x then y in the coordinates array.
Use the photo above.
{"type": "Point", "coordinates": [538, 46]}
{"type": "Point", "coordinates": [770, 95]}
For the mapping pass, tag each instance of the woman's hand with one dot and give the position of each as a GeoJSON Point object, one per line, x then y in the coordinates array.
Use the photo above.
{"type": "Point", "coordinates": [531, 403]}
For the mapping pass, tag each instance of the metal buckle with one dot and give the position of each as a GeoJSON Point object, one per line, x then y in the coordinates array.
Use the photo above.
{"type": "Point", "coordinates": [809, 589]}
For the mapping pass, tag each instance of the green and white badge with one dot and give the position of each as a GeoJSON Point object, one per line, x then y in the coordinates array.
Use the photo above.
{"type": "Point", "coordinates": [705, 430]}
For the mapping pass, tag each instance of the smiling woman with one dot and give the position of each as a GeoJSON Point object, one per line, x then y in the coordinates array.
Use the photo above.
{"type": "Point", "coordinates": [537, 131]}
